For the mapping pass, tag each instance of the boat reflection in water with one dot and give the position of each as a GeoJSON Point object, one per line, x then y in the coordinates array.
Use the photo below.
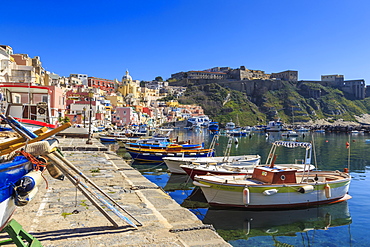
{"type": "Point", "coordinates": [178, 182]}
{"type": "Point", "coordinates": [233, 224]}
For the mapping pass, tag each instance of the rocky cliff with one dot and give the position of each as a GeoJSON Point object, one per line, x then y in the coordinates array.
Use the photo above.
{"type": "Point", "coordinates": [257, 102]}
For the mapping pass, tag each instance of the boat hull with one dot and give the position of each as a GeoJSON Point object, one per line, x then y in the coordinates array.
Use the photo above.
{"type": "Point", "coordinates": [192, 172]}
{"type": "Point", "coordinates": [7, 209]}
{"type": "Point", "coordinates": [34, 124]}
{"type": "Point", "coordinates": [10, 173]}
{"type": "Point", "coordinates": [108, 139]}
{"type": "Point", "coordinates": [228, 192]}
{"type": "Point", "coordinates": [151, 155]}
{"type": "Point", "coordinates": [173, 163]}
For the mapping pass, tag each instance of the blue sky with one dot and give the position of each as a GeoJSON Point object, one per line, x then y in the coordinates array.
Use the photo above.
{"type": "Point", "coordinates": [159, 38]}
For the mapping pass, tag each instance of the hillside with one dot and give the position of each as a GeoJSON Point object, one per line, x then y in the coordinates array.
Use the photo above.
{"type": "Point", "coordinates": [291, 103]}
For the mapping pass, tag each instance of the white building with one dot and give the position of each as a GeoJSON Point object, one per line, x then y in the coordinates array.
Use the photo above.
{"type": "Point", "coordinates": [81, 77]}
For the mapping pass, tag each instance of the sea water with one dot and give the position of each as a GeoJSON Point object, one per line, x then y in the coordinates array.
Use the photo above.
{"type": "Point", "coordinates": [341, 224]}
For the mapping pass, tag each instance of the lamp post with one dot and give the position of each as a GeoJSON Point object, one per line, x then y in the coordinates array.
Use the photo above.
{"type": "Point", "coordinates": [89, 141]}
{"type": "Point", "coordinates": [84, 109]}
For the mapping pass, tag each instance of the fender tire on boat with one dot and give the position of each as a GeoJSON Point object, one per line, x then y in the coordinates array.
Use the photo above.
{"type": "Point", "coordinates": [246, 196]}
{"type": "Point", "coordinates": [327, 191]}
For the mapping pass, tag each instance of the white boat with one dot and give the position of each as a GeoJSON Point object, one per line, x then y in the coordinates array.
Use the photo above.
{"type": "Point", "coordinates": [275, 126]}
{"type": "Point", "coordinates": [272, 188]}
{"type": "Point", "coordinates": [174, 163]}
{"type": "Point", "coordinates": [302, 129]}
{"type": "Point", "coordinates": [320, 131]}
{"type": "Point", "coordinates": [230, 125]}
{"type": "Point", "coordinates": [240, 167]}
{"type": "Point", "coordinates": [199, 121]}
{"type": "Point", "coordinates": [237, 132]}
{"type": "Point", "coordinates": [289, 133]}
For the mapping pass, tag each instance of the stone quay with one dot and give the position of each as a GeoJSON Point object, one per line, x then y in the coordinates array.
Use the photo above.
{"type": "Point", "coordinates": [60, 215]}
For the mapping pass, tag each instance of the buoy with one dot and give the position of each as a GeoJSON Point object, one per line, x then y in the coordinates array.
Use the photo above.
{"type": "Point", "coordinates": [327, 191]}
{"type": "Point", "coordinates": [28, 182]}
{"type": "Point", "coordinates": [306, 189]}
{"type": "Point", "coordinates": [26, 187]}
{"type": "Point", "coordinates": [246, 196]}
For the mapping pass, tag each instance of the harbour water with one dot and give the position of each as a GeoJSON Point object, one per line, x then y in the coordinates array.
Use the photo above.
{"type": "Point", "coordinates": [342, 224]}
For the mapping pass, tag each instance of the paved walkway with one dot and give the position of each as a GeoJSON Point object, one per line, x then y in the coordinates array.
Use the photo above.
{"type": "Point", "coordinates": [60, 215]}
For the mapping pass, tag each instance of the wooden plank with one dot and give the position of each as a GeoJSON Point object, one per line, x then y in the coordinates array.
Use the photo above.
{"type": "Point", "coordinates": [39, 138]}
{"type": "Point", "coordinates": [5, 145]}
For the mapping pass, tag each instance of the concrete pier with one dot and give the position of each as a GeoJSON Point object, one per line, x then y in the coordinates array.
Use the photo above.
{"type": "Point", "coordinates": [60, 215]}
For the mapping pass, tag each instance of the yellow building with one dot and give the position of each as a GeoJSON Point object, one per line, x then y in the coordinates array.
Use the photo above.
{"type": "Point", "coordinates": [128, 86]}
{"type": "Point", "coordinates": [115, 100]}
{"type": "Point", "coordinates": [172, 103]}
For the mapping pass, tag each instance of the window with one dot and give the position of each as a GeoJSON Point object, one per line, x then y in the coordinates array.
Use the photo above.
{"type": "Point", "coordinates": [44, 98]}
{"type": "Point", "coordinates": [17, 99]}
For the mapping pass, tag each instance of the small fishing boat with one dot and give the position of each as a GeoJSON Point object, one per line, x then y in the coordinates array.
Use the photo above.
{"type": "Point", "coordinates": [289, 133]}
{"type": "Point", "coordinates": [320, 131]}
{"type": "Point", "coordinates": [161, 140]}
{"type": "Point", "coordinates": [302, 129]}
{"type": "Point", "coordinates": [107, 138]}
{"type": "Point", "coordinates": [213, 126]}
{"type": "Point", "coordinates": [230, 125]}
{"type": "Point", "coordinates": [157, 155]}
{"type": "Point", "coordinates": [237, 132]}
{"type": "Point", "coordinates": [20, 176]}
{"type": "Point", "coordinates": [239, 167]}
{"type": "Point", "coordinates": [275, 126]}
{"type": "Point", "coordinates": [124, 136]}
{"type": "Point", "coordinates": [11, 173]}
{"type": "Point", "coordinates": [174, 163]}
{"type": "Point", "coordinates": [270, 187]}
{"type": "Point", "coordinates": [164, 145]}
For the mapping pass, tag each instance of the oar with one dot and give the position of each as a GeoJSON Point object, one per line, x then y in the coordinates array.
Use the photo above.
{"type": "Point", "coordinates": [75, 169]}
{"type": "Point", "coordinates": [11, 121]}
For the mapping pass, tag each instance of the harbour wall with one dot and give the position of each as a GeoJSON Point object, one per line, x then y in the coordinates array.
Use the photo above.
{"type": "Point", "coordinates": [60, 215]}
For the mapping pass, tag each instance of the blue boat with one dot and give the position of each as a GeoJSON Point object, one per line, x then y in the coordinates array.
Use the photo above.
{"type": "Point", "coordinates": [163, 145]}
{"type": "Point", "coordinates": [157, 155]}
{"type": "Point", "coordinates": [11, 175]}
{"type": "Point", "coordinates": [19, 176]}
{"type": "Point", "coordinates": [237, 132]}
{"type": "Point", "coordinates": [213, 126]}
{"type": "Point", "coordinates": [107, 139]}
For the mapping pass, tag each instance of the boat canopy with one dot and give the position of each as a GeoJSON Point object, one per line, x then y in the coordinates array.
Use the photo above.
{"type": "Point", "coordinates": [291, 144]}
{"type": "Point", "coordinates": [25, 89]}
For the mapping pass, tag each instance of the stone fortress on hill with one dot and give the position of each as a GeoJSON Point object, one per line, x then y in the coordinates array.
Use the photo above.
{"type": "Point", "coordinates": [247, 80]}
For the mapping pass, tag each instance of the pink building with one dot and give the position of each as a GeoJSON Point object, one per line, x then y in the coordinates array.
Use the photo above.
{"type": "Point", "coordinates": [57, 101]}
{"type": "Point", "coordinates": [123, 116]}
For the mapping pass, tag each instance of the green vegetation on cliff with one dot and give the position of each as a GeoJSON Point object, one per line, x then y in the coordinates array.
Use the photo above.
{"type": "Point", "coordinates": [292, 102]}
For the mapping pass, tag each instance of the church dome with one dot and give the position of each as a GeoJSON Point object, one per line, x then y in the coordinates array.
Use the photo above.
{"type": "Point", "coordinates": [126, 77]}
